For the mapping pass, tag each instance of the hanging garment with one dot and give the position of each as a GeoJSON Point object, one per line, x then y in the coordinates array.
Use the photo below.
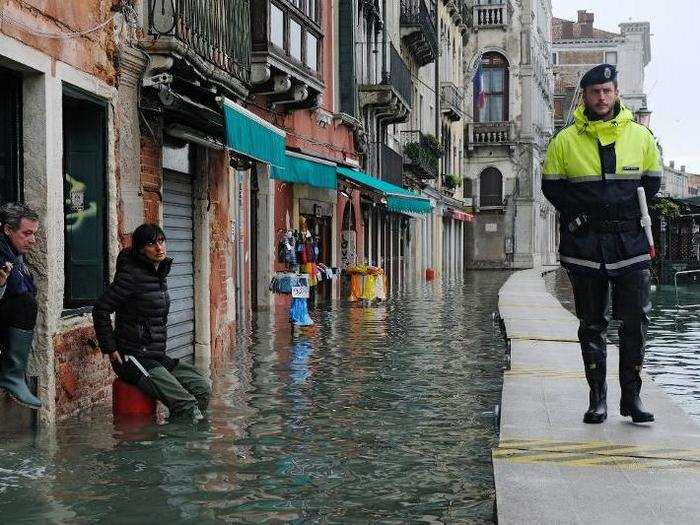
{"type": "Point", "coordinates": [380, 290]}
{"type": "Point", "coordinates": [369, 288]}
{"type": "Point", "coordinates": [355, 287]}
{"type": "Point", "coordinates": [299, 313]}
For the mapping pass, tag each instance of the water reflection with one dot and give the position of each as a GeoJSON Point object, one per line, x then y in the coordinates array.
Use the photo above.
{"type": "Point", "coordinates": [673, 348]}
{"type": "Point", "coordinates": [374, 414]}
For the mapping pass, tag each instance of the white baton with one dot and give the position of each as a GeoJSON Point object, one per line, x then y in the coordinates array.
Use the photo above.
{"type": "Point", "coordinates": [646, 220]}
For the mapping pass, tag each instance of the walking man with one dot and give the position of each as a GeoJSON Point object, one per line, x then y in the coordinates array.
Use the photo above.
{"type": "Point", "coordinates": [18, 306]}
{"type": "Point", "coordinates": [591, 175]}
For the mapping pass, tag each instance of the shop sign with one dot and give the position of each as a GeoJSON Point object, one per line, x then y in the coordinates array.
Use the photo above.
{"type": "Point", "coordinates": [300, 292]}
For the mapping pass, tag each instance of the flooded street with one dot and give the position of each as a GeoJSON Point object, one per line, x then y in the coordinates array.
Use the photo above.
{"type": "Point", "coordinates": [380, 414]}
{"type": "Point", "coordinates": [673, 341]}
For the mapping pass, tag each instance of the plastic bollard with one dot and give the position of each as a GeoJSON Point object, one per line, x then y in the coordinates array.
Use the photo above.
{"type": "Point", "coordinates": [128, 400]}
{"type": "Point", "coordinates": [429, 274]}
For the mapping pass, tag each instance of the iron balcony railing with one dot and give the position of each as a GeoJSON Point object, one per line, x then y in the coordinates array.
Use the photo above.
{"type": "Point", "coordinates": [424, 40]}
{"type": "Point", "coordinates": [392, 166]}
{"type": "Point", "coordinates": [420, 154]}
{"type": "Point", "coordinates": [218, 31]}
{"type": "Point", "coordinates": [452, 100]}
{"type": "Point", "coordinates": [401, 77]}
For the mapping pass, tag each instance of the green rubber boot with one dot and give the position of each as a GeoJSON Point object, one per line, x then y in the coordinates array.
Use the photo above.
{"type": "Point", "coordinates": [13, 362]}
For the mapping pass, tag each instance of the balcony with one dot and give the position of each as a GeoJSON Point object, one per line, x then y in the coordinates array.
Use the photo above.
{"type": "Point", "coordinates": [491, 16]}
{"type": "Point", "coordinates": [286, 58]}
{"type": "Point", "coordinates": [489, 134]}
{"type": "Point", "coordinates": [451, 101]}
{"type": "Point", "coordinates": [421, 154]}
{"type": "Point", "coordinates": [390, 97]}
{"type": "Point", "coordinates": [211, 37]}
{"type": "Point", "coordinates": [392, 166]}
{"type": "Point", "coordinates": [418, 31]}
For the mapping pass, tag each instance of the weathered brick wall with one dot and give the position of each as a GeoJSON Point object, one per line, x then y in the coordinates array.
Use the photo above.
{"type": "Point", "coordinates": [93, 53]}
{"type": "Point", "coordinates": [151, 178]}
{"type": "Point", "coordinates": [221, 251]}
{"type": "Point", "coordinates": [83, 375]}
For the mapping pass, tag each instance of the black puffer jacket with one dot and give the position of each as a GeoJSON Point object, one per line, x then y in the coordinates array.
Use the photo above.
{"type": "Point", "coordinates": [139, 296]}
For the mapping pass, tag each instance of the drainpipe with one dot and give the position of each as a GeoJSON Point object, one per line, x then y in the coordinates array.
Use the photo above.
{"type": "Point", "coordinates": [385, 46]}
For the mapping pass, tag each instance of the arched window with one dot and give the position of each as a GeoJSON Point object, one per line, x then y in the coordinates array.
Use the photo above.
{"type": "Point", "coordinates": [490, 188]}
{"type": "Point", "coordinates": [495, 81]}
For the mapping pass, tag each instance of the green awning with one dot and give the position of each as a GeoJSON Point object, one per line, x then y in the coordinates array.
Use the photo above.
{"type": "Point", "coordinates": [398, 199]}
{"type": "Point", "coordinates": [249, 135]}
{"type": "Point", "coordinates": [302, 169]}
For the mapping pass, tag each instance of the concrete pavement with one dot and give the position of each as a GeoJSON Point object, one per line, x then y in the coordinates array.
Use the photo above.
{"type": "Point", "coordinates": [549, 466]}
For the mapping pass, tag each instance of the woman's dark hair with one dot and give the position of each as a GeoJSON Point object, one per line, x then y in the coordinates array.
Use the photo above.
{"type": "Point", "coordinates": [145, 234]}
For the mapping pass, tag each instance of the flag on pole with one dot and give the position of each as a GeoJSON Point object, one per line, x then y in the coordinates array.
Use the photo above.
{"type": "Point", "coordinates": [478, 84]}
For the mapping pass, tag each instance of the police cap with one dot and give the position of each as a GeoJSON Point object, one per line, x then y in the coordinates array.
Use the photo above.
{"type": "Point", "coordinates": [599, 75]}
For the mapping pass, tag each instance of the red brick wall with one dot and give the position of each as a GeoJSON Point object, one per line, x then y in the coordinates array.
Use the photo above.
{"type": "Point", "coordinates": [83, 375]}
{"type": "Point", "coordinates": [151, 178]}
{"type": "Point", "coordinates": [221, 249]}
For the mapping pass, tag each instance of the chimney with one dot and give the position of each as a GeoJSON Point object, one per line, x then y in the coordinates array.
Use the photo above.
{"type": "Point", "coordinates": [585, 22]}
{"type": "Point", "coordinates": [567, 30]}
{"type": "Point", "coordinates": [672, 164]}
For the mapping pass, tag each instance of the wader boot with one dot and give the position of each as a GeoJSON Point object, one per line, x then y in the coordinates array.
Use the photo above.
{"type": "Point", "coordinates": [632, 300]}
{"type": "Point", "coordinates": [597, 399]}
{"type": "Point", "coordinates": [13, 364]}
{"type": "Point", "coordinates": [631, 384]}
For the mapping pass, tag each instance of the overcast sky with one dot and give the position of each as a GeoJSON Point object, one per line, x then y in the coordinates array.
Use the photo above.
{"type": "Point", "coordinates": [672, 80]}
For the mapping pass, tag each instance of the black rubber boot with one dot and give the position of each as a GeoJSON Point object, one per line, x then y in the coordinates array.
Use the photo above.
{"type": "Point", "coordinates": [631, 384]}
{"type": "Point", "coordinates": [597, 399]}
{"type": "Point", "coordinates": [14, 365]}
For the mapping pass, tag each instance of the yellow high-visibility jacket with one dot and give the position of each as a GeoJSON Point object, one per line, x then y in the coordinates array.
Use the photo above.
{"type": "Point", "coordinates": [593, 169]}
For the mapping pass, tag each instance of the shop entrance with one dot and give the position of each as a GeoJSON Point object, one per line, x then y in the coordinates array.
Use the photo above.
{"type": "Point", "coordinates": [318, 220]}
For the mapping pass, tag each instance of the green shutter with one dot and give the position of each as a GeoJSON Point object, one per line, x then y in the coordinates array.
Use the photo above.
{"type": "Point", "coordinates": [85, 200]}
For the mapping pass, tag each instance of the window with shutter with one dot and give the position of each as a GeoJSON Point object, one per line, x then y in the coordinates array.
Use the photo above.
{"type": "Point", "coordinates": [490, 188]}
{"type": "Point", "coordinates": [85, 199]}
{"type": "Point", "coordinates": [10, 136]}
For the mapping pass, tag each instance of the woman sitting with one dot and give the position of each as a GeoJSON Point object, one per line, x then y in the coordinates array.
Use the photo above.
{"type": "Point", "coordinates": [136, 343]}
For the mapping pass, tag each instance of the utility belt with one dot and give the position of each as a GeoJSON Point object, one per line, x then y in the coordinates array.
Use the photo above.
{"type": "Point", "coordinates": [583, 221]}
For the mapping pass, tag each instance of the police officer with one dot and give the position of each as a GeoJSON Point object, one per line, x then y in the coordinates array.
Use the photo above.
{"type": "Point", "coordinates": [591, 175]}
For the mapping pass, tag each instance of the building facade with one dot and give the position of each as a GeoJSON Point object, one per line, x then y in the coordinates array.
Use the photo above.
{"type": "Point", "coordinates": [677, 182]}
{"type": "Point", "coordinates": [507, 133]}
{"type": "Point", "coordinates": [579, 45]}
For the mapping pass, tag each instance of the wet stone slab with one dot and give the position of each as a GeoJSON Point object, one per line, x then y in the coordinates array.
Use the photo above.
{"type": "Point", "coordinates": [549, 466]}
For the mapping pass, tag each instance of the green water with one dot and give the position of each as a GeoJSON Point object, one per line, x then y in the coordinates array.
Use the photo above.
{"type": "Point", "coordinates": [379, 414]}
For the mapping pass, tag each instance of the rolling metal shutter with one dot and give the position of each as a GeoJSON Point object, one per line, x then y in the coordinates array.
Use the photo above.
{"type": "Point", "coordinates": [178, 217]}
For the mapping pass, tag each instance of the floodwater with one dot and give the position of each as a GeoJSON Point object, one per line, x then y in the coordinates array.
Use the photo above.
{"type": "Point", "coordinates": [379, 414]}
{"type": "Point", "coordinates": [673, 340]}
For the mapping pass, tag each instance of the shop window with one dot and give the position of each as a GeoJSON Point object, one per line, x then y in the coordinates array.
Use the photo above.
{"type": "Point", "coordinates": [490, 188]}
{"type": "Point", "coordinates": [85, 198]}
{"type": "Point", "coordinates": [496, 80]}
{"type": "Point", "coordinates": [10, 136]}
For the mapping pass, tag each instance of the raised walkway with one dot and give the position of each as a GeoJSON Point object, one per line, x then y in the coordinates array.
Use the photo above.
{"type": "Point", "coordinates": [550, 467]}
